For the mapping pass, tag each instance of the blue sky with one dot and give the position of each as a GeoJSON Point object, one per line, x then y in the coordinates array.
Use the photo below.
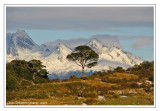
{"type": "Point", "coordinates": [132, 25]}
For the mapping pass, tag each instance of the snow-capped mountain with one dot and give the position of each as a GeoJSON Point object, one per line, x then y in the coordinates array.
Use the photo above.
{"type": "Point", "coordinates": [20, 39]}
{"type": "Point", "coordinates": [21, 46]}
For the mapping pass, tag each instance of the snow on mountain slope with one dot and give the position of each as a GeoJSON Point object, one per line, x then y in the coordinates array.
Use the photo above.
{"type": "Point", "coordinates": [112, 57]}
{"type": "Point", "coordinates": [21, 46]}
{"type": "Point", "coordinates": [56, 62]}
{"type": "Point", "coordinates": [24, 54]}
{"type": "Point", "coordinates": [97, 46]}
{"type": "Point", "coordinates": [20, 39]}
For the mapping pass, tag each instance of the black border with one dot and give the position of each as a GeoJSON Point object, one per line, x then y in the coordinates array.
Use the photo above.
{"type": "Point", "coordinates": [76, 106]}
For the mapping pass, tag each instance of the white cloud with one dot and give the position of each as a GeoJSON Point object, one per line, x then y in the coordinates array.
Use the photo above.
{"type": "Point", "coordinates": [141, 43]}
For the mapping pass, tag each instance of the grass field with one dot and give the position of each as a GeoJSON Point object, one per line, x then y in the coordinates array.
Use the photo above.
{"type": "Point", "coordinates": [79, 92]}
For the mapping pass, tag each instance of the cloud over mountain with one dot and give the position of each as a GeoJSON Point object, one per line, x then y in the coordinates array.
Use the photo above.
{"type": "Point", "coordinates": [141, 43]}
{"type": "Point", "coordinates": [78, 18]}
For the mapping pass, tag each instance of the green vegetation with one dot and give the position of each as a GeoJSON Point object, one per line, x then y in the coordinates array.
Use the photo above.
{"type": "Point", "coordinates": [84, 56]}
{"type": "Point", "coordinates": [119, 69]}
{"type": "Point", "coordinates": [11, 82]}
{"type": "Point", "coordinates": [18, 71]}
{"type": "Point", "coordinates": [144, 70]}
{"type": "Point", "coordinates": [117, 87]}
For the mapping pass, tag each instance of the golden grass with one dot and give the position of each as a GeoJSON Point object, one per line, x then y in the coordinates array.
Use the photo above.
{"type": "Point", "coordinates": [65, 93]}
{"type": "Point", "coordinates": [121, 76]}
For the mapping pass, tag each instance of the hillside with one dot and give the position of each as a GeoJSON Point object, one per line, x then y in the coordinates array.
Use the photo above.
{"type": "Point", "coordinates": [117, 87]}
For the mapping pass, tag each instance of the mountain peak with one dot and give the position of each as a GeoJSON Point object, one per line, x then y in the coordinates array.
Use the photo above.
{"type": "Point", "coordinates": [95, 41]}
{"type": "Point", "coordinates": [20, 40]}
{"type": "Point", "coordinates": [98, 46]}
{"type": "Point", "coordinates": [21, 33]}
{"type": "Point", "coordinates": [62, 46]}
{"type": "Point", "coordinates": [62, 49]}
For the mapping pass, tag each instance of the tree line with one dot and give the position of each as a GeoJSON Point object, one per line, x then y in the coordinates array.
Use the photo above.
{"type": "Point", "coordinates": [18, 71]}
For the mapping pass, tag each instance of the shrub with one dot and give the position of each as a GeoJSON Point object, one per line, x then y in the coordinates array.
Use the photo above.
{"type": "Point", "coordinates": [91, 101]}
{"type": "Point", "coordinates": [64, 89]}
{"type": "Point", "coordinates": [84, 78]}
{"type": "Point", "coordinates": [115, 87]}
{"type": "Point", "coordinates": [65, 80]}
{"type": "Point", "coordinates": [134, 85]}
{"type": "Point", "coordinates": [26, 70]}
{"type": "Point", "coordinates": [73, 78]}
{"type": "Point", "coordinates": [25, 84]}
{"type": "Point", "coordinates": [125, 85]}
{"type": "Point", "coordinates": [41, 80]}
{"type": "Point", "coordinates": [151, 78]}
{"type": "Point", "coordinates": [89, 94]}
{"type": "Point", "coordinates": [39, 95]}
{"type": "Point", "coordinates": [148, 89]}
{"type": "Point", "coordinates": [121, 77]}
{"type": "Point", "coordinates": [119, 69]}
{"type": "Point", "coordinates": [55, 80]}
{"type": "Point", "coordinates": [115, 96]}
{"type": "Point", "coordinates": [11, 82]}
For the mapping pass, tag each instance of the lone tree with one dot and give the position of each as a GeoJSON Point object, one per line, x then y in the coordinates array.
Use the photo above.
{"type": "Point", "coordinates": [83, 56]}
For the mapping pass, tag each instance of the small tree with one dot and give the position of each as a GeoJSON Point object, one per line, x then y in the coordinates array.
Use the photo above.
{"type": "Point", "coordinates": [36, 67]}
{"type": "Point", "coordinates": [83, 56]}
{"type": "Point", "coordinates": [73, 77]}
{"type": "Point", "coordinates": [119, 69]}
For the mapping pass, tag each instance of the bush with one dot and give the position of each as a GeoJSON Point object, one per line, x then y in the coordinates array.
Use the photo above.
{"type": "Point", "coordinates": [73, 78]}
{"type": "Point", "coordinates": [11, 82]}
{"type": "Point", "coordinates": [91, 101]}
{"type": "Point", "coordinates": [125, 85]}
{"type": "Point", "coordinates": [38, 95]}
{"type": "Point", "coordinates": [55, 80]}
{"type": "Point", "coordinates": [25, 84]}
{"type": "Point", "coordinates": [115, 96]}
{"type": "Point", "coordinates": [115, 87]}
{"type": "Point", "coordinates": [119, 69]}
{"type": "Point", "coordinates": [151, 79]}
{"type": "Point", "coordinates": [134, 85]}
{"type": "Point", "coordinates": [41, 80]}
{"type": "Point", "coordinates": [65, 80]}
{"type": "Point", "coordinates": [84, 78]}
{"type": "Point", "coordinates": [148, 89]}
{"type": "Point", "coordinates": [121, 78]}
{"type": "Point", "coordinates": [21, 69]}
{"type": "Point", "coordinates": [76, 87]}
{"type": "Point", "coordinates": [89, 94]}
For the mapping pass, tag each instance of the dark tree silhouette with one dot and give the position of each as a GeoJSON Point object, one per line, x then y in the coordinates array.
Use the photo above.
{"type": "Point", "coordinates": [83, 56]}
{"type": "Point", "coordinates": [36, 67]}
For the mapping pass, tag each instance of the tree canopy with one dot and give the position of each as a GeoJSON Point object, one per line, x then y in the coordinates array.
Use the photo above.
{"type": "Point", "coordinates": [84, 56]}
{"type": "Point", "coordinates": [19, 70]}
